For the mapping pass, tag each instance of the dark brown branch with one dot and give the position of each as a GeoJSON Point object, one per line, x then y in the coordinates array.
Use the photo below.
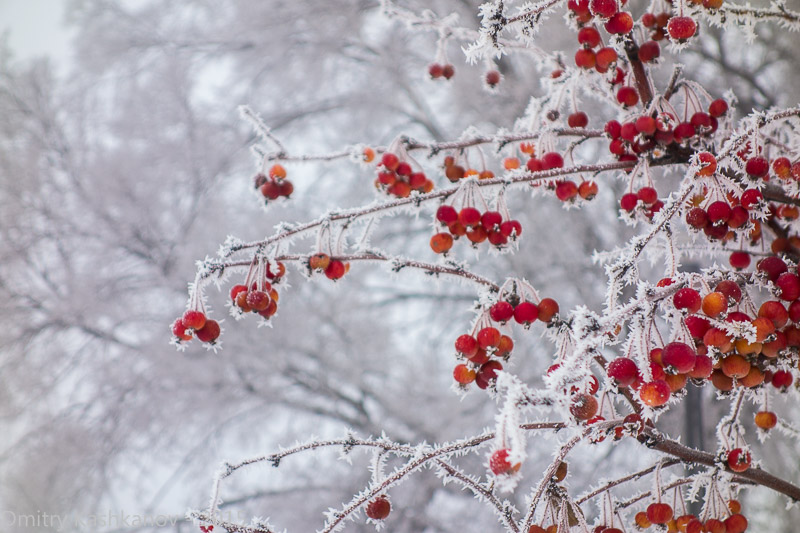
{"type": "Point", "coordinates": [654, 439]}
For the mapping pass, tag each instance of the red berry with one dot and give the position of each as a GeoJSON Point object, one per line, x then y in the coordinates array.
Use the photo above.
{"type": "Point", "coordinates": [548, 308]}
{"type": "Point", "coordinates": [739, 260]}
{"type": "Point", "coordinates": [448, 71]}
{"type": "Point", "coordinates": [578, 119]}
{"type": "Point", "coordinates": [446, 215]}
{"type": "Point", "coordinates": [655, 393]}
{"type": "Point", "coordinates": [467, 345]}
{"type": "Point", "coordinates": [757, 167]}
{"type": "Point", "coordinates": [180, 330]}
{"type": "Point", "coordinates": [552, 160]}
{"type": "Point", "coordinates": [603, 8]}
{"type": "Point", "coordinates": [717, 108]}
{"type": "Point", "coordinates": [501, 312]}
{"type": "Point", "coordinates": [697, 218]}
{"type": "Point", "coordinates": [659, 513]}
{"type": "Point", "coordinates": [649, 51]}
{"type": "Point", "coordinates": [566, 190]}
{"type": "Point", "coordinates": [499, 464]}
{"type": "Point", "coordinates": [627, 96]}
{"type": "Point", "coordinates": [679, 356]}
{"type": "Point", "coordinates": [194, 319]}
{"type": "Point", "coordinates": [525, 313]}
{"type": "Point", "coordinates": [463, 374]}
{"type": "Point", "coordinates": [681, 28]}
{"type": "Point", "coordinates": [209, 332]}
{"type": "Point", "coordinates": [620, 24]}
{"type": "Point", "coordinates": [435, 70]}
{"type": "Point", "coordinates": [623, 371]}
{"type": "Point", "coordinates": [719, 211]}
{"type": "Point", "coordinates": [628, 201]}
{"type": "Point", "coordinates": [772, 267]}
{"type": "Point", "coordinates": [441, 242]}
{"type": "Point", "coordinates": [488, 337]}
{"type": "Point", "coordinates": [738, 460]}
{"type": "Point", "coordinates": [336, 270]}
{"type": "Point", "coordinates": [589, 36]}
{"type": "Point", "coordinates": [687, 298]}
{"type": "Point", "coordinates": [469, 216]}
{"type": "Point", "coordinates": [379, 508]}
{"type": "Point", "coordinates": [390, 161]}
{"type": "Point", "coordinates": [583, 406]}
{"type": "Point", "coordinates": [492, 78]}
{"type": "Point", "coordinates": [647, 195]}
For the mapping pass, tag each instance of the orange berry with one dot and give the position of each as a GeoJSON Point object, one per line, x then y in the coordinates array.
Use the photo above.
{"type": "Point", "coordinates": [714, 304]}
{"type": "Point", "coordinates": [441, 243]}
{"type": "Point", "coordinates": [368, 155]}
{"type": "Point", "coordinates": [511, 163]}
{"type": "Point", "coordinates": [277, 172]}
{"type": "Point", "coordinates": [765, 420]}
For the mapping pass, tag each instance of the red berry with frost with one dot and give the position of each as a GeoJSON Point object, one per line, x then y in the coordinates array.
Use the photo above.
{"type": "Point", "coordinates": [589, 36]}
{"type": "Point", "coordinates": [738, 460]}
{"type": "Point", "coordinates": [194, 319]}
{"type": "Point", "coordinates": [469, 216]}
{"type": "Point", "coordinates": [467, 345]}
{"type": "Point", "coordinates": [463, 374]}
{"type": "Point", "coordinates": [628, 201]}
{"type": "Point", "coordinates": [687, 298]}
{"type": "Point", "coordinates": [566, 190]}
{"type": "Point", "coordinates": [623, 371]}
{"type": "Point", "coordinates": [548, 308]}
{"type": "Point", "coordinates": [603, 8]}
{"type": "Point", "coordinates": [757, 167]}
{"type": "Point", "coordinates": [448, 71]}
{"type": "Point", "coordinates": [620, 24]}
{"type": "Point", "coordinates": [488, 337]}
{"type": "Point", "coordinates": [649, 51]}
{"type": "Point", "coordinates": [501, 312]}
{"type": "Point", "coordinates": [681, 28]}
{"type": "Point", "coordinates": [499, 463]}
{"type": "Point", "coordinates": [655, 393]}
{"type": "Point", "coordinates": [180, 330]}
{"type": "Point", "coordinates": [435, 70]}
{"type": "Point", "coordinates": [446, 214]}
{"type": "Point", "coordinates": [525, 313]}
{"type": "Point", "coordinates": [379, 508]}
{"type": "Point", "coordinates": [679, 356]}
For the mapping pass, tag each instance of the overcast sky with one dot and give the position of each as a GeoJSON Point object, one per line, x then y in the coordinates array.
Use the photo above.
{"type": "Point", "coordinates": [34, 27]}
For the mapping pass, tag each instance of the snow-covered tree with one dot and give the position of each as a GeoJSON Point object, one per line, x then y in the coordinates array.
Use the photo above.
{"type": "Point", "coordinates": [115, 179]}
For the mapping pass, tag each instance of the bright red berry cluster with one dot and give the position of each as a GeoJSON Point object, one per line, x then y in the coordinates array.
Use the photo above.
{"type": "Point", "coordinates": [486, 346]}
{"type": "Point", "coordinates": [397, 178]}
{"type": "Point", "coordinates": [194, 323]}
{"type": "Point", "coordinates": [490, 226]}
{"type": "Point", "coordinates": [274, 186]}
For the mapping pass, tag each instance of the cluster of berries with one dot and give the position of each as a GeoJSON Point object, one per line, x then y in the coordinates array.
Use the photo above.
{"type": "Point", "coordinates": [397, 178]}
{"type": "Point", "coordinates": [592, 55]}
{"type": "Point", "coordinates": [274, 186]}
{"type": "Point", "coordinates": [616, 22]}
{"type": "Point", "coordinates": [662, 514]}
{"type": "Point", "coordinates": [645, 198]}
{"type": "Point", "coordinates": [259, 296]}
{"type": "Point", "coordinates": [718, 356]}
{"type": "Point", "coordinates": [641, 135]}
{"type": "Point", "coordinates": [478, 227]}
{"type": "Point", "coordinates": [454, 171]}
{"type": "Point", "coordinates": [486, 341]}
{"type": "Point", "coordinates": [332, 268]}
{"type": "Point", "coordinates": [194, 323]}
{"type": "Point", "coordinates": [437, 70]}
